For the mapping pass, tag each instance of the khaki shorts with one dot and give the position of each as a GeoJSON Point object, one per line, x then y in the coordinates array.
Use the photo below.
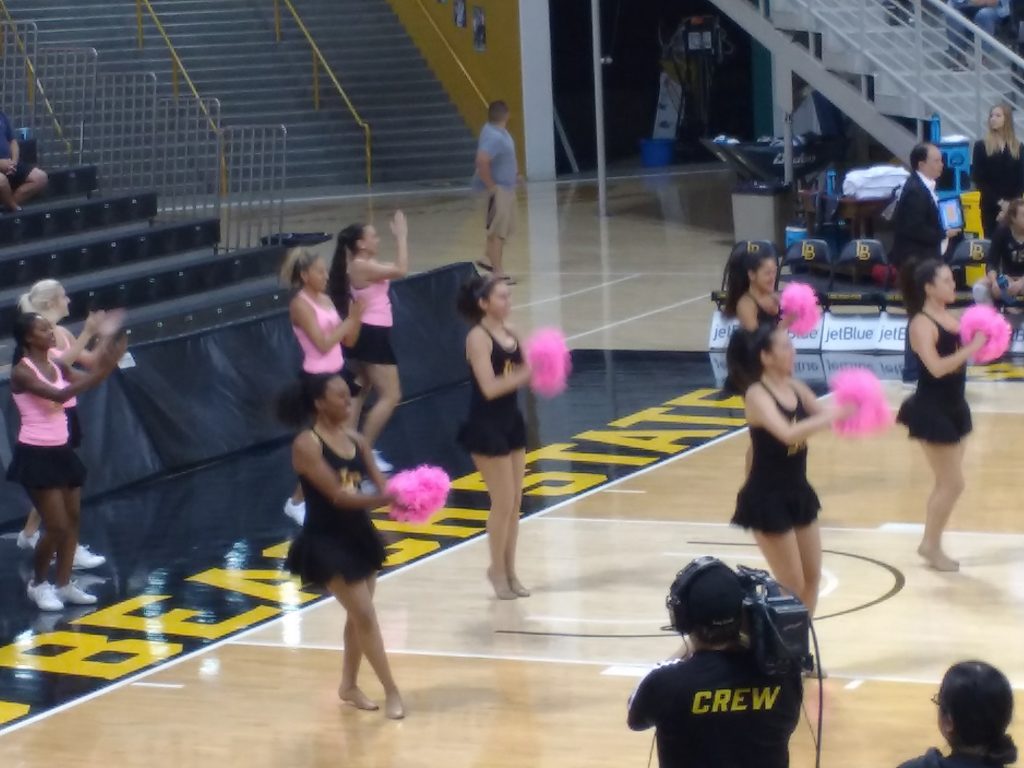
{"type": "Point", "coordinates": [501, 213]}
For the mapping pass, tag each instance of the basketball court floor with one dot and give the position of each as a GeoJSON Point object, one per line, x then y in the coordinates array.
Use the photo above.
{"type": "Point", "coordinates": [202, 653]}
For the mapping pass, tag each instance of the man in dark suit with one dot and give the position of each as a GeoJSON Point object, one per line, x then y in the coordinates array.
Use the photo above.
{"type": "Point", "coordinates": [919, 233]}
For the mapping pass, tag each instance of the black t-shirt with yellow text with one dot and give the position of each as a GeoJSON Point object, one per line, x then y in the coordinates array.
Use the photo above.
{"type": "Point", "coordinates": [717, 710]}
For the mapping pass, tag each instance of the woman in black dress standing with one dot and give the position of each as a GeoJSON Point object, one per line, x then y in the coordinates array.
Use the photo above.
{"type": "Point", "coordinates": [997, 166]}
{"type": "Point", "coordinates": [750, 294]}
{"type": "Point", "coordinates": [338, 547]}
{"type": "Point", "coordinates": [937, 413]}
{"type": "Point", "coordinates": [495, 432]}
{"type": "Point", "coordinates": [777, 502]}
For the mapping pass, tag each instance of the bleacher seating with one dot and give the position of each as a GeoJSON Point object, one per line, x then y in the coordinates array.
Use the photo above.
{"type": "Point", "coordinates": [113, 251]}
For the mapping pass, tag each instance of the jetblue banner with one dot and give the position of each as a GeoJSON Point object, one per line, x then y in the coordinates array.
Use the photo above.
{"type": "Point", "coordinates": [892, 332]}
{"type": "Point", "coordinates": [721, 330]}
{"type": "Point", "coordinates": [850, 333]}
{"type": "Point", "coordinates": [885, 367]}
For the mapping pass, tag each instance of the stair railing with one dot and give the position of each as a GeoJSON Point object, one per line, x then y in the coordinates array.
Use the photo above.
{"type": "Point", "coordinates": [319, 62]}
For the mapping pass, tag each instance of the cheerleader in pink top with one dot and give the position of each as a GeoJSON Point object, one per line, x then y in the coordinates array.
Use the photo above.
{"type": "Point", "coordinates": [357, 273]}
{"type": "Point", "coordinates": [49, 299]}
{"type": "Point", "coordinates": [44, 462]}
{"type": "Point", "coordinates": [320, 332]}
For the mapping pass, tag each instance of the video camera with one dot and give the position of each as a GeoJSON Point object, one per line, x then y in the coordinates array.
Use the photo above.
{"type": "Point", "coordinates": [773, 623]}
{"type": "Point", "coordinates": [776, 622]}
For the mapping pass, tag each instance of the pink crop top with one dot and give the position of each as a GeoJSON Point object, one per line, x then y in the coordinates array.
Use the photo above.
{"type": "Point", "coordinates": [315, 361]}
{"type": "Point", "coordinates": [43, 422]}
{"type": "Point", "coordinates": [376, 302]}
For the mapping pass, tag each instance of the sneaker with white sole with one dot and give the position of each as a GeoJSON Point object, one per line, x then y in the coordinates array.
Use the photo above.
{"type": "Point", "coordinates": [85, 558]}
{"type": "Point", "coordinates": [382, 464]}
{"type": "Point", "coordinates": [28, 542]}
{"type": "Point", "coordinates": [296, 512]}
{"type": "Point", "coordinates": [45, 596]}
{"type": "Point", "coordinates": [72, 595]}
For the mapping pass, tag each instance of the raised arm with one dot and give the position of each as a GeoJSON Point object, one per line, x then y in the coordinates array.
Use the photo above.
{"type": "Point", "coordinates": [923, 339]}
{"type": "Point", "coordinates": [762, 411]}
{"type": "Point", "coordinates": [304, 317]}
{"type": "Point", "coordinates": [24, 380]}
{"type": "Point", "coordinates": [373, 271]}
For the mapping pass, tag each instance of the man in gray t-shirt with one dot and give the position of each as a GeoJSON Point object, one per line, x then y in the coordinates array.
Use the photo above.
{"type": "Point", "coordinates": [497, 171]}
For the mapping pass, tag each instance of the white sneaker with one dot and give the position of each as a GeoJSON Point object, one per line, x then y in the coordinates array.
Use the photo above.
{"type": "Point", "coordinates": [45, 596]}
{"type": "Point", "coordinates": [74, 596]}
{"type": "Point", "coordinates": [382, 464]}
{"type": "Point", "coordinates": [296, 512]}
{"type": "Point", "coordinates": [84, 558]}
{"type": "Point", "coordinates": [27, 542]}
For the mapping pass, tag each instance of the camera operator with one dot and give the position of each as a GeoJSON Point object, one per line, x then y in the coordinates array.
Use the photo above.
{"type": "Point", "coordinates": [712, 705]}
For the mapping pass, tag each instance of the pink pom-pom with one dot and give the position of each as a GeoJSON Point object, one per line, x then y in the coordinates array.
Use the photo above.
{"type": "Point", "coordinates": [861, 388]}
{"type": "Point", "coordinates": [548, 355]}
{"type": "Point", "coordinates": [419, 493]}
{"type": "Point", "coordinates": [985, 320]}
{"type": "Point", "coordinates": [800, 302]}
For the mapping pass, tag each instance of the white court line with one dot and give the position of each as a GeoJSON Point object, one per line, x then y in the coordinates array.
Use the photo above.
{"type": "Point", "coordinates": [666, 308]}
{"type": "Point", "coordinates": [237, 639]}
{"type": "Point", "coordinates": [853, 685]}
{"type": "Point", "coordinates": [624, 490]}
{"type": "Point", "coordinates": [580, 291]}
{"type": "Point", "coordinates": [700, 524]}
{"type": "Point", "coordinates": [158, 685]}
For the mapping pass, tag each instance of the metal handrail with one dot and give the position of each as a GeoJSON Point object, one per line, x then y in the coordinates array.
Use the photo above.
{"type": "Point", "coordinates": [177, 70]}
{"type": "Point", "coordinates": [34, 85]}
{"type": "Point", "coordinates": [320, 61]}
{"type": "Point", "coordinates": [452, 53]}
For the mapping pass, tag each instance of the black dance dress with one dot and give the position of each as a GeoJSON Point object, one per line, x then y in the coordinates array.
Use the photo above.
{"type": "Point", "coordinates": [938, 412]}
{"type": "Point", "coordinates": [335, 542]}
{"type": "Point", "coordinates": [777, 497]}
{"type": "Point", "coordinates": [495, 427]}
{"type": "Point", "coordinates": [764, 317]}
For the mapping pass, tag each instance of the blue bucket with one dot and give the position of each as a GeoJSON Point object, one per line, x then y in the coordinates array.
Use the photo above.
{"type": "Point", "coordinates": [795, 235]}
{"type": "Point", "coordinates": [657, 153]}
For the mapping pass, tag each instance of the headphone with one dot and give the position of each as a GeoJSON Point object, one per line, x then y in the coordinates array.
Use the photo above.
{"type": "Point", "coordinates": [677, 600]}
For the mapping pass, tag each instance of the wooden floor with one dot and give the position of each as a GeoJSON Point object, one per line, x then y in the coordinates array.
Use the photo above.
{"type": "Point", "coordinates": [543, 682]}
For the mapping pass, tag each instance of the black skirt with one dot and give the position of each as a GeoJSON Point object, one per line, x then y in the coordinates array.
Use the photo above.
{"type": "Point", "coordinates": [345, 373]}
{"type": "Point", "coordinates": [776, 510]}
{"type": "Point", "coordinates": [37, 467]}
{"type": "Point", "coordinates": [373, 346]}
{"type": "Point", "coordinates": [932, 420]}
{"type": "Point", "coordinates": [494, 436]}
{"type": "Point", "coordinates": [319, 558]}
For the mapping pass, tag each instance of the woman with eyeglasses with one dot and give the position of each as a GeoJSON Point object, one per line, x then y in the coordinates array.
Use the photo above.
{"type": "Point", "coordinates": [975, 704]}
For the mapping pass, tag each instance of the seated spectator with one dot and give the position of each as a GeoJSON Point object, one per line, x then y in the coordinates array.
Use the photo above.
{"type": "Point", "coordinates": [985, 14]}
{"type": "Point", "coordinates": [975, 708]}
{"type": "Point", "coordinates": [1004, 272]}
{"type": "Point", "coordinates": [19, 181]}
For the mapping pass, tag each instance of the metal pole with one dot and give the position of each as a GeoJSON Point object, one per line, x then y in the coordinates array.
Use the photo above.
{"type": "Point", "coordinates": [602, 180]}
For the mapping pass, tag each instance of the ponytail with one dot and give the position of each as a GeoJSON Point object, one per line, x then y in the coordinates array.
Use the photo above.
{"type": "Point", "coordinates": [40, 297]}
{"type": "Point", "coordinates": [296, 406]}
{"type": "Point", "coordinates": [470, 295]}
{"type": "Point", "coordinates": [913, 284]}
{"type": "Point", "coordinates": [743, 357]}
{"type": "Point", "coordinates": [296, 261]}
{"type": "Point", "coordinates": [978, 700]}
{"type": "Point", "coordinates": [339, 287]}
{"type": "Point", "coordinates": [737, 276]}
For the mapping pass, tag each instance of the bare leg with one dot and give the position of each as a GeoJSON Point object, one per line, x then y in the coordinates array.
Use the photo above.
{"type": "Point", "coordinates": [32, 524]}
{"type": "Point", "coordinates": [497, 472]}
{"type": "Point", "coordinates": [383, 379]}
{"type": "Point", "coordinates": [33, 185]}
{"type": "Point", "coordinates": [50, 503]}
{"type": "Point", "coordinates": [349, 690]}
{"type": "Point", "coordinates": [66, 549]}
{"type": "Point", "coordinates": [357, 600]}
{"type": "Point", "coordinates": [946, 462]}
{"type": "Point", "coordinates": [518, 473]}
{"type": "Point", "coordinates": [784, 556]}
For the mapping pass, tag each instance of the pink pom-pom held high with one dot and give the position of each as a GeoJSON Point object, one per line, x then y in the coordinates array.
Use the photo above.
{"type": "Point", "coordinates": [419, 493]}
{"type": "Point", "coordinates": [548, 356]}
{"type": "Point", "coordinates": [799, 304]}
{"type": "Point", "coordinates": [985, 320]}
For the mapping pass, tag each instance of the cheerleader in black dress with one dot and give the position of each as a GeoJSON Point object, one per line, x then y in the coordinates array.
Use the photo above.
{"type": "Point", "coordinates": [776, 502]}
{"type": "Point", "coordinates": [937, 413]}
{"type": "Point", "coordinates": [750, 294]}
{"type": "Point", "coordinates": [338, 547]}
{"type": "Point", "coordinates": [495, 433]}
